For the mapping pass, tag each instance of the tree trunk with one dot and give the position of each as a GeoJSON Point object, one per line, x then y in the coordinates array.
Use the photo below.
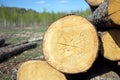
{"type": "Point", "coordinates": [111, 44]}
{"type": "Point", "coordinates": [71, 44]}
{"type": "Point", "coordinates": [38, 70]}
{"type": "Point", "coordinates": [2, 41]}
{"type": "Point", "coordinates": [94, 4]}
{"type": "Point", "coordinates": [6, 53]}
{"type": "Point", "coordinates": [106, 15]}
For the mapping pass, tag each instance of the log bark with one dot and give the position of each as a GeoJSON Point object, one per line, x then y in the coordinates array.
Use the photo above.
{"type": "Point", "coordinates": [71, 40]}
{"type": "Point", "coordinates": [111, 44]}
{"type": "Point", "coordinates": [2, 41]}
{"type": "Point", "coordinates": [106, 15]}
{"type": "Point", "coordinates": [94, 4]}
{"type": "Point", "coordinates": [6, 53]}
{"type": "Point", "coordinates": [38, 70]}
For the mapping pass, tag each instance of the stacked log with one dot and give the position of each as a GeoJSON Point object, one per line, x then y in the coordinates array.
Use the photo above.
{"type": "Point", "coordinates": [38, 70]}
{"type": "Point", "coordinates": [111, 44]}
{"type": "Point", "coordinates": [94, 4]}
{"type": "Point", "coordinates": [105, 17]}
{"type": "Point", "coordinates": [72, 43]}
{"type": "Point", "coordinates": [69, 41]}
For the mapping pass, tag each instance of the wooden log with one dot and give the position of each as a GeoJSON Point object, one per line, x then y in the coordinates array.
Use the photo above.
{"type": "Point", "coordinates": [70, 44]}
{"type": "Point", "coordinates": [6, 53]}
{"type": "Point", "coordinates": [111, 44]}
{"type": "Point", "coordinates": [27, 41]}
{"type": "Point", "coordinates": [38, 70]}
{"type": "Point", "coordinates": [2, 41]}
{"type": "Point", "coordinates": [106, 15]}
{"type": "Point", "coordinates": [94, 4]}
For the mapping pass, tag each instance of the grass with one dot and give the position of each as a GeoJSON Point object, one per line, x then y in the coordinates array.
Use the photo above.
{"type": "Point", "coordinates": [12, 36]}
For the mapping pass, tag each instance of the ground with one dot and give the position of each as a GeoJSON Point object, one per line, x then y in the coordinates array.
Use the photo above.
{"type": "Point", "coordinates": [12, 36]}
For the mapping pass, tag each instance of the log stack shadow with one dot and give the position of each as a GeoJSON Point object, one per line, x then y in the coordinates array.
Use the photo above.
{"type": "Point", "coordinates": [100, 67]}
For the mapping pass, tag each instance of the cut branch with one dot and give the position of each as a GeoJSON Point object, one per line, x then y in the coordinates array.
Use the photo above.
{"type": "Point", "coordinates": [71, 40]}
{"type": "Point", "coordinates": [38, 70]}
{"type": "Point", "coordinates": [6, 53]}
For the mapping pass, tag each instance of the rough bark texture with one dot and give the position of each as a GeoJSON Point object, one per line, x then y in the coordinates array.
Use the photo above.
{"type": "Point", "coordinates": [2, 41]}
{"type": "Point", "coordinates": [105, 18]}
{"type": "Point", "coordinates": [38, 70]}
{"type": "Point", "coordinates": [71, 40]}
{"type": "Point", "coordinates": [94, 4]}
{"type": "Point", "coordinates": [6, 53]}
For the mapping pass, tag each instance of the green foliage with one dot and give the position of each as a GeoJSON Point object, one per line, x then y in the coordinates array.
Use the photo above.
{"type": "Point", "coordinates": [20, 17]}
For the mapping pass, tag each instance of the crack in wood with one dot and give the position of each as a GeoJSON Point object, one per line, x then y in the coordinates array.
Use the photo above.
{"type": "Point", "coordinates": [113, 13]}
{"type": "Point", "coordinates": [69, 45]}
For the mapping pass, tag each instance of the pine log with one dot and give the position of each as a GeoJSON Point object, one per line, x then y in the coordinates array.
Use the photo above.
{"type": "Point", "coordinates": [38, 70]}
{"type": "Point", "coordinates": [94, 4]}
{"type": "Point", "coordinates": [106, 15]}
{"type": "Point", "coordinates": [111, 44]}
{"type": "Point", "coordinates": [6, 53]}
{"type": "Point", "coordinates": [2, 41]}
{"type": "Point", "coordinates": [70, 44]}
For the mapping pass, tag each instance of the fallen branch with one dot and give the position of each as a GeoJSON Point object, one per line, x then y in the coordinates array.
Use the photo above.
{"type": "Point", "coordinates": [7, 52]}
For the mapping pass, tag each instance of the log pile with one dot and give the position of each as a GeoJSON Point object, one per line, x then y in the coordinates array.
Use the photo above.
{"type": "Point", "coordinates": [74, 44]}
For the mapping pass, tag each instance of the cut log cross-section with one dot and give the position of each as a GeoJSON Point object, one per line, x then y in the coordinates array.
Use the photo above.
{"type": "Point", "coordinates": [71, 40]}
{"type": "Point", "coordinates": [38, 70]}
{"type": "Point", "coordinates": [114, 11]}
{"type": "Point", "coordinates": [106, 15]}
{"type": "Point", "coordinates": [111, 44]}
{"type": "Point", "coordinates": [94, 4]}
